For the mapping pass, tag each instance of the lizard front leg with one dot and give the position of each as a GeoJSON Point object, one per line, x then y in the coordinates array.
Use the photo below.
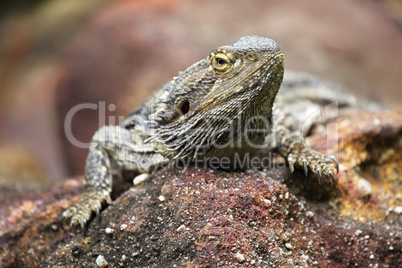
{"type": "Point", "coordinates": [98, 187]}
{"type": "Point", "coordinates": [293, 149]}
{"type": "Point", "coordinates": [110, 143]}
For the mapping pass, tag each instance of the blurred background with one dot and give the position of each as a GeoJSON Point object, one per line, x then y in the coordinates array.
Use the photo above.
{"type": "Point", "coordinates": [56, 54]}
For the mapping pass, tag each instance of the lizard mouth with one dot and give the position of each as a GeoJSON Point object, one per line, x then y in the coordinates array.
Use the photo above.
{"type": "Point", "coordinates": [246, 77]}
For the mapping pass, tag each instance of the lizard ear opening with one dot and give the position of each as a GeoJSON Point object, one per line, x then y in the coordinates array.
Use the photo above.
{"type": "Point", "coordinates": [185, 107]}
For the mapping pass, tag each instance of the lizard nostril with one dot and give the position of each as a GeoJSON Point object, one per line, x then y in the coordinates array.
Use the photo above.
{"type": "Point", "coordinates": [250, 57]}
{"type": "Point", "coordinates": [185, 107]}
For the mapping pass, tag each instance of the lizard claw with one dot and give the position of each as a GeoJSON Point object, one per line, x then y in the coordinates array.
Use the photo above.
{"type": "Point", "coordinates": [70, 229]}
{"type": "Point", "coordinates": [108, 198]}
{"type": "Point", "coordinates": [305, 167]}
{"type": "Point", "coordinates": [291, 168]}
{"type": "Point", "coordinates": [83, 226]}
{"type": "Point", "coordinates": [291, 160]}
{"type": "Point", "coordinates": [332, 177]}
{"type": "Point", "coordinates": [319, 175]}
{"type": "Point", "coordinates": [62, 219]}
{"type": "Point", "coordinates": [336, 164]}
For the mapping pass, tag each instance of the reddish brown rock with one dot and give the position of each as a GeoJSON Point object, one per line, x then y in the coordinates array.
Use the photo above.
{"type": "Point", "coordinates": [232, 219]}
{"type": "Point", "coordinates": [200, 218]}
{"type": "Point", "coordinates": [29, 223]}
{"type": "Point", "coordinates": [369, 151]}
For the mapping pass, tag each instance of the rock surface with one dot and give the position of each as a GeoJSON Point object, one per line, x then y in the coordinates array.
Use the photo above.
{"type": "Point", "coordinates": [198, 217]}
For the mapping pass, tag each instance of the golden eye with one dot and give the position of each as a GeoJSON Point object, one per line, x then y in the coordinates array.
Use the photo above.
{"type": "Point", "coordinates": [221, 63]}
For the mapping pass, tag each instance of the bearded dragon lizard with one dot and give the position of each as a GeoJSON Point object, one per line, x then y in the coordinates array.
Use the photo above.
{"type": "Point", "coordinates": [221, 107]}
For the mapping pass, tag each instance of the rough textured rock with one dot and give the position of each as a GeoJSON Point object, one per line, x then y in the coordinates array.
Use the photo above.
{"type": "Point", "coordinates": [132, 45]}
{"type": "Point", "coordinates": [199, 217]}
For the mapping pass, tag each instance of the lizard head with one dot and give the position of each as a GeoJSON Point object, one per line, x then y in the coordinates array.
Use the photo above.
{"type": "Point", "coordinates": [251, 67]}
{"type": "Point", "coordinates": [241, 79]}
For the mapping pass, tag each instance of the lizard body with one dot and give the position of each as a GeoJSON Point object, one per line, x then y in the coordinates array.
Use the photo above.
{"type": "Point", "coordinates": [220, 107]}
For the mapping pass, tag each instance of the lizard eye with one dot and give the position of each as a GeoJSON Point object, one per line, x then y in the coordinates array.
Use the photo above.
{"type": "Point", "coordinates": [221, 63]}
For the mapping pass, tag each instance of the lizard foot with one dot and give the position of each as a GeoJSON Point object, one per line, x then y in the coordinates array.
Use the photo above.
{"type": "Point", "coordinates": [81, 212]}
{"type": "Point", "coordinates": [319, 164]}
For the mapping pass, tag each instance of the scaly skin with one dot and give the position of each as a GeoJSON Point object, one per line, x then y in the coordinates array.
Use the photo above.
{"type": "Point", "coordinates": [220, 107]}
